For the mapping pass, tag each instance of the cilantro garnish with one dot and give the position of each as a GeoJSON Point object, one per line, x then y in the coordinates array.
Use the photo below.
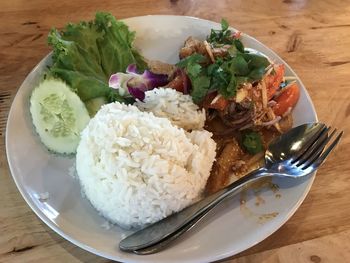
{"type": "Point", "coordinates": [227, 73]}
{"type": "Point", "coordinates": [252, 142]}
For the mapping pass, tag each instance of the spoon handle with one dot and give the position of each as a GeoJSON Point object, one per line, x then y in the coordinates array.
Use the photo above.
{"type": "Point", "coordinates": [168, 226]}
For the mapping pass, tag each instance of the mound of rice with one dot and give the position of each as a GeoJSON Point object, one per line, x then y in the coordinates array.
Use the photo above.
{"type": "Point", "coordinates": [176, 106]}
{"type": "Point", "coordinates": [136, 168]}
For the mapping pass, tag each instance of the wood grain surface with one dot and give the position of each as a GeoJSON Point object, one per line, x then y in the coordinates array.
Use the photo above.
{"type": "Point", "coordinates": [312, 36]}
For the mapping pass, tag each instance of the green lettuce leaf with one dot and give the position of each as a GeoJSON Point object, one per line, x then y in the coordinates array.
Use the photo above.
{"type": "Point", "coordinates": [87, 53]}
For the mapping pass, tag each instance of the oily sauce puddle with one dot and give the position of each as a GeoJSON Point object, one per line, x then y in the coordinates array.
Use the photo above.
{"type": "Point", "coordinates": [257, 188]}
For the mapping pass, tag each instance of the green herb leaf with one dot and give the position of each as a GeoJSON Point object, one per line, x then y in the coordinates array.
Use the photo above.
{"type": "Point", "coordinates": [212, 68]}
{"type": "Point", "coordinates": [231, 89]}
{"type": "Point", "coordinates": [221, 37]}
{"type": "Point", "coordinates": [239, 45]}
{"type": "Point", "coordinates": [241, 80]}
{"type": "Point", "coordinates": [199, 80]}
{"type": "Point", "coordinates": [224, 24]}
{"type": "Point", "coordinates": [257, 73]}
{"type": "Point", "coordinates": [193, 59]}
{"type": "Point", "coordinates": [194, 70]}
{"type": "Point", "coordinates": [191, 64]}
{"type": "Point", "coordinates": [239, 66]}
{"type": "Point", "coordinates": [200, 87]}
{"type": "Point", "coordinates": [232, 51]}
{"type": "Point", "coordinates": [256, 61]}
{"type": "Point", "coordinates": [252, 142]}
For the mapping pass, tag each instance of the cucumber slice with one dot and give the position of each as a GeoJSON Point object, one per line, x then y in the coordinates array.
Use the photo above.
{"type": "Point", "coordinates": [58, 115]}
{"type": "Point", "coordinates": [94, 105]}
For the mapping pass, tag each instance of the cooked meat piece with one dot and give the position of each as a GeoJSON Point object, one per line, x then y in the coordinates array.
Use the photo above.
{"type": "Point", "coordinates": [180, 81]}
{"type": "Point", "coordinates": [254, 161]}
{"type": "Point", "coordinates": [191, 46]}
{"type": "Point", "coordinates": [220, 51]}
{"type": "Point", "coordinates": [159, 67]}
{"type": "Point", "coordinates": [222, 168]}
{"type": "Point", "coordinates": [239, 167]}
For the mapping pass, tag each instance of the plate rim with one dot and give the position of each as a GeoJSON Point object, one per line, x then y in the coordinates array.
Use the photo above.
{"type": "Point", "coordinates": [107, 255]}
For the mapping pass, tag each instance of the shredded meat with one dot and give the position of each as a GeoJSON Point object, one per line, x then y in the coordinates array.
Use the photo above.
{"type": "Point", "coordinates": [209, 51]}
{"type": "Point", "coordinates": [220, 51]}
{"type": "Point", "coordinates": [191, 46]}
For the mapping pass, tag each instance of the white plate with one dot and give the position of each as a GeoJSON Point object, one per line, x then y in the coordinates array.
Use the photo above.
{"type": "Point", "coordinates": [224, 233]}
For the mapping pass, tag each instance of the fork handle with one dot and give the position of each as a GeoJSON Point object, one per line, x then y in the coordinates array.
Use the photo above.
{"type": "Point", "coordinates": [191, 215]}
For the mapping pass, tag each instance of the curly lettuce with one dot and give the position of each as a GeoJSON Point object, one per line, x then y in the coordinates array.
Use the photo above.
{"type": "Point", "coordinates": [86, 54]}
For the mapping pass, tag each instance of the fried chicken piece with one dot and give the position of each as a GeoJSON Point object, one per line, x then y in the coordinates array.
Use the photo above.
{"type": "Point", "coordinates": [223, 167]}
{"type": "Point", "coordinates": [220, 51]}
{"type": "Point", "coordinates": [191, 46]}
{"type": "Point", "coordinates": [159, 67]}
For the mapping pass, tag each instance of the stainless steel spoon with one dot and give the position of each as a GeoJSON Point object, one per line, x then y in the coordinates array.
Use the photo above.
{"type": "Point", "coordinates": [296, 153]}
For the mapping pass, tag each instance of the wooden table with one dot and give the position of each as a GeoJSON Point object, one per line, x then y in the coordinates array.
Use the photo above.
{"type": "Point", "coordinates": [312, 36]}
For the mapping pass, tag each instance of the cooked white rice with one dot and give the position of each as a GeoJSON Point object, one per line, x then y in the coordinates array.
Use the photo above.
{"type": "Point", "coordinates": [176, 106]}
{"type": "Point", "coordinates": [136, 168]}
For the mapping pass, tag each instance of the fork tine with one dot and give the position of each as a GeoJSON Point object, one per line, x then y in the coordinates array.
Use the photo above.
{"type": "Point", "coordinates": [320, 160]}
{"type": "Point", "coordinates": [310, 145]}
{"type": "Point", "coordinates": [316, 151]}
{"type": "Point", "coordinates": [310, 142]}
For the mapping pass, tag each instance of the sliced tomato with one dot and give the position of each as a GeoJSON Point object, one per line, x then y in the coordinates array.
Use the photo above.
{"type": "Point", "coordinates": [273, 81]}
{"type": "Point", "coordinates": [208, 99]}
{"type": "Point", "coordinates": [176, 83]}
{"type": "Point", "coordinates": [287, 99]}
{"type": "Point", "coordinates": [236, 34]}
{"type": "Point", "coordinates": [219, 104]}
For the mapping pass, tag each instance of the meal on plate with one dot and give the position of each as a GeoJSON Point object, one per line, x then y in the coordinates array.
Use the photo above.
{"type": "Point", "coordinates": [151, 138]}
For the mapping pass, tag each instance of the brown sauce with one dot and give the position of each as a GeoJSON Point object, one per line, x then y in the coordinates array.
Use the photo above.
{"type": "Point", "coordinates": [232, 161]}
